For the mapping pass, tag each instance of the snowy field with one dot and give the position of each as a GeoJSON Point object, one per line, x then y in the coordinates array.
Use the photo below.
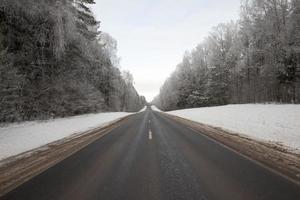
{"type": "Point", "coordinates": [21, 137]}
{"type": "Point", "coordinates": [268, 122]}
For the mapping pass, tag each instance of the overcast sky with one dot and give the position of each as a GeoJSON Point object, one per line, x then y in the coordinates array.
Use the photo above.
{"type": "Point", "coordinates": [153, 35]}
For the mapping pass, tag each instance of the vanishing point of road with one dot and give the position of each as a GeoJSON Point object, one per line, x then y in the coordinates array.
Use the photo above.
{"type": "Point", "coordinates": [153, 157]}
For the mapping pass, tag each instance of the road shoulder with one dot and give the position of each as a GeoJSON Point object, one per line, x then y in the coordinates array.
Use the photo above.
{"type": "Point", "coordinates": [272, 156]}
{"type": "Point", "coordinates": [16, 170]}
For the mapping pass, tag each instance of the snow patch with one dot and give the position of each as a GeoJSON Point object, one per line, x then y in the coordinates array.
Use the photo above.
{"type": "Point", "coordinates": [22, 137]}
{"type": "Point", "coordinates": [154, 108]}
{"type": "Point", "coordinates": [143, 109]}
{"type": "Point", "coordinates": [268, 122]}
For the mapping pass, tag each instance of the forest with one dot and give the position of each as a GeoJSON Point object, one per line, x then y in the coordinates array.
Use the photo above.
{"type": "Point", "coordinates": [55, 62]}
{"type": "Point", "coordinates": [255, 59]}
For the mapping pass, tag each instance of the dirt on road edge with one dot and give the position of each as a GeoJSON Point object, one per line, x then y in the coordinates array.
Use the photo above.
{"type": "Point", "coordinates": [16, 170]}
{"type": "Point", "coordinates": [273, 156]}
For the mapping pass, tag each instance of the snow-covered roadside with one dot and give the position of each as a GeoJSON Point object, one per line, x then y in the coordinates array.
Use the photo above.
{"type": "Point", "coordinates": [21, 137]}
{"type": "Point", "coordinates": [143, 109]}
{"type": "Point", "coordinates": [268, 122]}
{"type": "Point", "coordinates": [154, 108]}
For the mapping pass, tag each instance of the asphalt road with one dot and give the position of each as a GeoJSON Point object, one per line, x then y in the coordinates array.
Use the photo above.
{"type": "Point", "coordinates": [169, 162]}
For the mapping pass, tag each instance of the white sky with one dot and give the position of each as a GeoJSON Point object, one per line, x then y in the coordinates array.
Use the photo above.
{"type": "Point", "coordinates": [153, 35]}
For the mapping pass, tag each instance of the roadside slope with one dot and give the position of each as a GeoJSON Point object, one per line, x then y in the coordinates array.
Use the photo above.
{"type": "Point", "coordinates": [252, 131]}
{"type": "Point", "coordinates": [18, 169]}
{"type": "Point", "coordinates": [279, 124]}
{"type": "Point", "coordinates": [24, 137]}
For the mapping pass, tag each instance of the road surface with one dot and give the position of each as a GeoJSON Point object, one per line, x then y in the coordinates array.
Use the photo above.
{"type": "Point", "coordinates": [153, 157]}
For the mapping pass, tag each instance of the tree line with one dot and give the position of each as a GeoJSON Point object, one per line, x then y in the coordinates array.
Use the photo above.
{"type": "Point", "coordinates": [54, 62]}
{"type": "Point", "coordinates": [255, 59]}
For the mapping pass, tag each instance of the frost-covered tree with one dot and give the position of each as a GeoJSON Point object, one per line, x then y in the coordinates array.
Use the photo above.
{"type": "Point", "coordinates": [253, 60]}
{"type": "Point", "coordinates": [54, 61]}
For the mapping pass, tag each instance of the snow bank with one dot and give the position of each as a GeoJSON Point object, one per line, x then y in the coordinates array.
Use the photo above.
{"type": "Point", "coordinates": [154, 108]}
{"type": "Point", "coordinates": [143, 109]}
{"type": "Point", "coordinates": [22, 137]}
{"type": "Point", "coordinates": [275, 123]}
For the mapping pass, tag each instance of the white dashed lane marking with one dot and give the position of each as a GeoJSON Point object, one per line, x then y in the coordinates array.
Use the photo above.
{"type": "Point", "coordinates": [150, 135]}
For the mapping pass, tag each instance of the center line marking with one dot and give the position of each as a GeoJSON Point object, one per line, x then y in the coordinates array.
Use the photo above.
{"type": "Point", "coordinates": [150, 135]}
